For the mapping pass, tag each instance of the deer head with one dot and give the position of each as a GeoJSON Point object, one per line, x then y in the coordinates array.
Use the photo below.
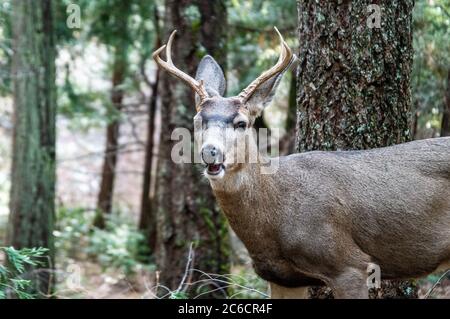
{"type": "Point", "coordinates": [222, 124]}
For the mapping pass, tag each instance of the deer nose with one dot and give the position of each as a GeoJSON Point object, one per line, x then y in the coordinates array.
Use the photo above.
{"type": "Point", "coordinates": [211, 154]}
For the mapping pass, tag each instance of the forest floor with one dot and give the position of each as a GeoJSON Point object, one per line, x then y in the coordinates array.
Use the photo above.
{"type": "Point", "coordinates": [95, 282]}
{"type": "Point", "coordinates": [89, 280]}
{"type": "Point", "coordinates": [439, 291]}
{"type": "Point", "coordinates": [86, 278]}
{"type": "Point", "coordinates": [98, 283]}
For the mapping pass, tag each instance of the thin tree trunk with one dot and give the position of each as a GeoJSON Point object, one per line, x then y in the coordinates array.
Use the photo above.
{"type": "Point", "coordinates": [186, 209]}
{"type": "Point", "coordinates": [105, 195]}
{"type": "Point", "coordinates": [147, 219]}
{"type": "Point", "coordinates": [445, 126]}
{"type": "Point", "coordinates": [32, 198]}
{"type": "Point", "coordinates": [415, 122]}
{"type": "Point", "coordinates": [354, 82]}
{"type": "Point", "coordinates": [291, 119]}
{"type": "Point", "coordinates": [287, 144]}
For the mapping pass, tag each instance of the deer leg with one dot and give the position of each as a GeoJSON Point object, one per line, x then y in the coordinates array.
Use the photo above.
{"type": "Point", "coordinates": [350, 284]}
{"type": "Point", "coordinates": [280, 292]}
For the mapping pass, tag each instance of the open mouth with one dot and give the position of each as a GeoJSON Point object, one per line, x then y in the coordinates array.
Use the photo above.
{"type": "Point", "coordinates": [214, 169]}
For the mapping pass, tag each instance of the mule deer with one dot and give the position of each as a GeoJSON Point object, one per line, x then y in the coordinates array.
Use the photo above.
{"type": "Point", "coordinates": [324, 216]}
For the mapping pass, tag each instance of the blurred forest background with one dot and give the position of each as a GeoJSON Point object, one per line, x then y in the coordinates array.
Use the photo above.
{"type": "Point", "coordinates": [106, 214]}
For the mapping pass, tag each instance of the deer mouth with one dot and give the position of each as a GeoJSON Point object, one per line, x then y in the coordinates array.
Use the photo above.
{"type": "Point", "coordinates": [214, 169]}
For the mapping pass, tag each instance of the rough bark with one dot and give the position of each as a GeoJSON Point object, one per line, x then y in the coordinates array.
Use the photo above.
{"type": "Point", "coordinates": [32, 197]}
{"type": "Point", "coordinates": [354, 81]}
{"type": "Point", "coordinates": [445, 125]}
{"type": "Point", "coordinates": [186, 210]}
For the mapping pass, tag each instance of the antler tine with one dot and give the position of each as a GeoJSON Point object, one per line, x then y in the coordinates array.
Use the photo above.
{"type": "Point", "coordinates": [169, 48]}
{"type": "Point", "coordinates": [172, 69]}
{"type": "Point", "coordinates": [284, 60]}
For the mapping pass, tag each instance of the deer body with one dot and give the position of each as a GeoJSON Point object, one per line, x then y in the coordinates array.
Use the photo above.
{"type": "Point", "coordinates": [320, 217]}
{"type": "Point", "coordinates": [327, 213]}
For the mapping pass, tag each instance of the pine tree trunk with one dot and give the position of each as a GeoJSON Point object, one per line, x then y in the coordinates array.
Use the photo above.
{"type": "Point", "coordinates": [147, 218]}
{"type": "Point", "coordinates": [32, 201]}
{"type": "Point", "coordinates": [105, 195]}
{"type": "Point", "coordinates": [445, 126]}
{"type": "Point", "coordinates": [186, 208]}
{"type": "Point", "coordinates": [287, 143]}
{"type": "Point", "coordinates": [354, 81]}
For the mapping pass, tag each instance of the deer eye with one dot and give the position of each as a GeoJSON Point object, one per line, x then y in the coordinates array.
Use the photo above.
{"type": "Point", "coordinates": [240, 125]}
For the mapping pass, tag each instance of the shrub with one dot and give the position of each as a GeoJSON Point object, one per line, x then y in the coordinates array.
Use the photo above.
{"type": "Point", "coordinates": [72, 231]}
{"type": "Point", "coordinates": [17, 261]}
{"type": "Point", "coordinates": [120, 245]}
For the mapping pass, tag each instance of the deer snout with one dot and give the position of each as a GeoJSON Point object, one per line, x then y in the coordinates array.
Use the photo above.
{"type": "Point", "coordinates": [212, 154]}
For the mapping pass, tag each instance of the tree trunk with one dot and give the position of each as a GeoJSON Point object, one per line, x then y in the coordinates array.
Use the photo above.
{"type": "Point", "coordinates": [354, 81]}
{"type": "Point", "coordinates": [147, 221]}
{"type": "Point", "coordinates": [147, 218]}
{"type": "Point", "coordinates": [105, 195]}
{"type": "Point", "coordinates": [213, 29]}
{"type": "Point", "coordinates": [186, 210]}
{"type": "Point", "coordinates": [32, 201]}
{"type": "Point", "coordinates": [291, 119]}
{"type": "Point", "coordinates": [445, 126]}
{"type": "Point", "coordinates": [287, 143]}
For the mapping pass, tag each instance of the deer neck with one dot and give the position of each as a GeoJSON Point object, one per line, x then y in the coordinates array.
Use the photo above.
{"type": "Point", "coordinates": [245, 196]}
{"type": "Point", "coordinates": [245, 178]}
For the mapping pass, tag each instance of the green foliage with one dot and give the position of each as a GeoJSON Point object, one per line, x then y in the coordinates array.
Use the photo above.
{"type": "Point", "coordinates": [178, 295]}
{"type": "Point", "coordinates": [17, 261]}
{"type": "Point", "coordinates": [85, 108]}
{"type": "Point", "coordinates": [247, 285]}
{"type": "Point", "coordinates": [119, 245]}
{"type": "Point", "coordinates": [242, 283]}
{"type": "Point", "coordinates": [63, 34]}
{"type": "Point", "coordinates": [126, 30]}
{"type": "Point", "coordinates": [262, 14]}
{"type": "Point", "coordinates": [431, 60]}
{"type": "Point", "coordinates": [110, 21]}
{"type": "Point", "coordinates": [72, 231]}
{"type": "Point", "coordinates": [253, 45]}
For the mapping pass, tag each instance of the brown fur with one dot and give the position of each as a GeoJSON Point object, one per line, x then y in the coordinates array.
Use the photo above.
{"type": "Point", "coordinates": [325, 215]}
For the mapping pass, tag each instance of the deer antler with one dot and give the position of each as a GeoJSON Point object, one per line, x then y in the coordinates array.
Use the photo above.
{"type": "Point", "coordinates": [283, 61]}
{"type": "Point", "coordinates": [168, 65]}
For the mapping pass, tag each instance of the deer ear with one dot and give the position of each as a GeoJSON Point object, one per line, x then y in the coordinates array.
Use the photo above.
{"type": "Point", "coordinates": [264, 94]}
{"type": "Point", "coordinates": [212, 76]}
